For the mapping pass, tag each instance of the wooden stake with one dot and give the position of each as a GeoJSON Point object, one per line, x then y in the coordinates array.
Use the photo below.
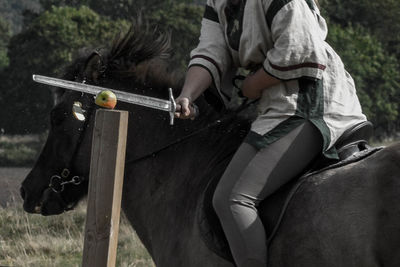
{"type": "Point", "coordinates": [105, 188]}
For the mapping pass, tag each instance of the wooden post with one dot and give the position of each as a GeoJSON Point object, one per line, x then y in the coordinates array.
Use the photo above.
{"type": "Point", "coordinates": [105, 188]}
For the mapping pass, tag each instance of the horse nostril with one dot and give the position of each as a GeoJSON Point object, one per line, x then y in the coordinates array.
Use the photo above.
{"type": "Point", "coordinates": [22, 192]}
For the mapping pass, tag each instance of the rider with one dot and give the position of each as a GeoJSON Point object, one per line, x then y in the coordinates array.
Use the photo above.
{"type": "Point", "coordinates": [306, 101]}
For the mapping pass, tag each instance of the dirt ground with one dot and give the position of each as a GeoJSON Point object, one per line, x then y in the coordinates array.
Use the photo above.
{"type": "Point", "coordinates": [10, 180]}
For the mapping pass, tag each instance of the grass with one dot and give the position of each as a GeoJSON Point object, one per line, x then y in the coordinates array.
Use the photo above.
{"type": "Point", "coordinates": [20, 150]}
{"type": "Point", "coordinates": [34, 240]}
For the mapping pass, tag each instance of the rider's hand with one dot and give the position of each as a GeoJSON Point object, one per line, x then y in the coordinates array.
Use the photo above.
{"type": "Point", "coordinates": [249, 87]}
{"type": "Point", "coordinates": [182, 108]}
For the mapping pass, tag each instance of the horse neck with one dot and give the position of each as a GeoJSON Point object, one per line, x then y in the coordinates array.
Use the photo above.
{"type": "Point", "coordinates": [162, 192]}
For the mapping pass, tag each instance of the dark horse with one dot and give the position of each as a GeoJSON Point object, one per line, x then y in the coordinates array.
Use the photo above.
{"type": "Point", "coordinates": [347, 216]}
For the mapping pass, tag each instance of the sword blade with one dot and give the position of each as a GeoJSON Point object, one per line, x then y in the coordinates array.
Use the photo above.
{"type": "Point", "coordinates": [147, 101]}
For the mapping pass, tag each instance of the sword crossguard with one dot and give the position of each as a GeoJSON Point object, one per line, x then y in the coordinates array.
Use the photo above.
{"type": "Point", "coordinates": [194, 109]}
{"type": "Point", "coordinates": [173, 107]}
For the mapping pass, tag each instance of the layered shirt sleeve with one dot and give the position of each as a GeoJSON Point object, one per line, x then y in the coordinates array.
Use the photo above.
{"type": "Point", "coordinates": [212, 52]}
{"type": "Point", "coordinates": [298, 34]}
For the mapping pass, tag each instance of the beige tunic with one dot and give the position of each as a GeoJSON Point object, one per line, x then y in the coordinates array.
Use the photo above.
{"type": "Point", "coordinates": [287, 39]}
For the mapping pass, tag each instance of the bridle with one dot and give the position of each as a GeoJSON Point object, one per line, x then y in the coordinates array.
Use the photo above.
{"type": "Point", "coordinates": [58, 181]}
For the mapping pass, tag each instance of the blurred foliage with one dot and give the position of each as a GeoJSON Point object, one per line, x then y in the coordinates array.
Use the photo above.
{"type": "Point", "coordinates": [375, 73]}
{"type": "Point", "coordinates": [179, 17]}
{"type": "Point", "coordinates": [44, 47]}
{"type": "Point", "coordinates": [12, 11]}
{"type": "Point", "coordinates": [5, 34]}
{"type": "Point", "coordinates": [49, 4]}
{"type": "Point", "coordinates": [131, 8]}
{"type": "Point", "coordinates": [382, 18]}
{"type": "Point", "coordinates": [183, 22]}
{"type": "Point", "coordinates": [117, 9]}
{"type": "Point", "coordinates": [364, 33]}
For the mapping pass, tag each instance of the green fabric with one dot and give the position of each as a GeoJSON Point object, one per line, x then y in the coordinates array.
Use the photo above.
{"type": "Point", "coordinates": [234, 20]}
{"type": "Point", "coordinates": [310, 4]}
{"type": "Point", "coordinates": [261, 141]}
{"type": "Point", "coordinates": [310, 107]}
{"type": "Point", "coordinates": [274, 8]}
{"type": "Point", "coordinates": [211, 14]}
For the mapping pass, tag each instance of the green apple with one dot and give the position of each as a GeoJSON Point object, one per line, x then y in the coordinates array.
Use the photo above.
{"type": "Point", "coordinates": [106, 99]}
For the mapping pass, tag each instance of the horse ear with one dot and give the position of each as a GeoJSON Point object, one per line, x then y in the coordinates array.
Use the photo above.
{"type": "Point", "coordinates": [57, 95]}
{"type": "Point", "coordinates": [93, 67]}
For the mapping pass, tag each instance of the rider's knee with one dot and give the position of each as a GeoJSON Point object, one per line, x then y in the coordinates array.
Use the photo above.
{"type": "Point", "coordinates": [220, 202]}
{"type": "Point", "coordinates": [225, 203]}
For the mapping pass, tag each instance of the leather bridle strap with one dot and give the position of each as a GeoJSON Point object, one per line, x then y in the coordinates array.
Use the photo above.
{"type": "Point", "coordinates": [57, 182]}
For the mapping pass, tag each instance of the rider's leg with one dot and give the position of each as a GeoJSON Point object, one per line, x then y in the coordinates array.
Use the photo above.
{"type": "Point", "coordinates": [250, 177]}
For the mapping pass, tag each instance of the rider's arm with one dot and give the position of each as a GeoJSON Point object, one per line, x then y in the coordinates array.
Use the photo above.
{"type": "Point", "coordinates": [255, 83]}
{"type": "Point", "coordinates": [198, 79]}
{"type": "Point", "coordinates": [209, 61]}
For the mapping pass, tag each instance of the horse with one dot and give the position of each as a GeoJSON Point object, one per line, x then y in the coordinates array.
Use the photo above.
{"type": "Point", "coordinates": [344, 216]}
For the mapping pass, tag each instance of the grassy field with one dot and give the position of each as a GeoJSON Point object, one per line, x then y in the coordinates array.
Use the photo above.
{"type": "Point", "coordinates": [20, 150]}
{"type": "Point", "coordinates": [34, 240]}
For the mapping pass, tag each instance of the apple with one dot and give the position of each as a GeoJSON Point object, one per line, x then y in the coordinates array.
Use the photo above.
{"type": "Point", "coordinates": [106, 99]}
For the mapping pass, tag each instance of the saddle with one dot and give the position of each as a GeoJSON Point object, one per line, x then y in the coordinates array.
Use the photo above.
{"type": "Point", "coordinates": [352, 146]}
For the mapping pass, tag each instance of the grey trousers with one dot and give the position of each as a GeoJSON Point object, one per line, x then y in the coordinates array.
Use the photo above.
{"type": "Point", "coordinates": [251, 176]}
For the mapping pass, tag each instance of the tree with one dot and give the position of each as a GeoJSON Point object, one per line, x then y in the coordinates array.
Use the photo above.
{"type": "Point", "coordinates": [183, 22]}
{"type": "Point", "coordinates": [179, 17]}
{"type": "Point", "coordinates": [375, 72]}
{"type": "Point", "coordinates": [5, 34]}
{"type": "Point", "coordinates": [12, 12]}
{"type": "Point", "coordinates": [126, 9]}
{"type": "Point", "coordinates": [380, 17]}
{"type": "Point", "coordinates": [45, 47]}
{"type": "Point", "coordinates": [48, 4]}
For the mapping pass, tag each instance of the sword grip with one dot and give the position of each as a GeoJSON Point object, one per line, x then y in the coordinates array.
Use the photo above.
{"type": "Point", "coordinates": [194, 110]}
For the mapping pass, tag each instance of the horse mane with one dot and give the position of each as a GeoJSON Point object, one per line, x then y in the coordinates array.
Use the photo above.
{"type": "Point", "coordinates": [140, 55]}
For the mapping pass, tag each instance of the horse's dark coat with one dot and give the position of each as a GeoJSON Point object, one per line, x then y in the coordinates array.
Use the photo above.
{"type": "Point", "coordinates": [343, 217]}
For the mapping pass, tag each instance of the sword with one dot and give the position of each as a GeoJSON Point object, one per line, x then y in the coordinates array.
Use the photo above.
{"type": "Point", "coordinates": [146, 101]}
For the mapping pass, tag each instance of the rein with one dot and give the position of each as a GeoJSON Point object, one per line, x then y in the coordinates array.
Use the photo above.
{"type": "Point", "coordinates": [180, 140]}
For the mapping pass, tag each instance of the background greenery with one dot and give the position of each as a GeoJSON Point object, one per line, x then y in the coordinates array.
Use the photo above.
{"type": "Point", "coordinates": [42, 36]}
